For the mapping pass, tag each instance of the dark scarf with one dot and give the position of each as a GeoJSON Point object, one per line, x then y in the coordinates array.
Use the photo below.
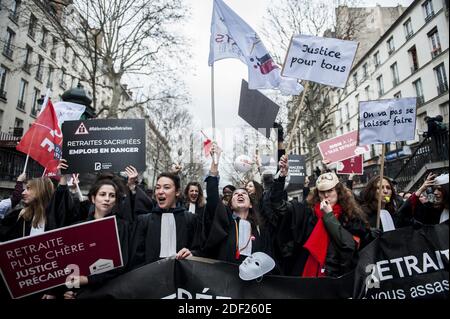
{"type": "Point", "coordinates": [317, 244]}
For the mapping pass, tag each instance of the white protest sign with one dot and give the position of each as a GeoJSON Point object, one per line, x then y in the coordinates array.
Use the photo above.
{"type": "Point", "coordinates": [323, 60]}
{"type": "Point", "coordinates": [386, 121]}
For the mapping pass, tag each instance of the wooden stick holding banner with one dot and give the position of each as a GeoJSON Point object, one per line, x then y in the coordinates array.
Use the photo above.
{"type": "Point", "coordinates": [297, 117]}
{"type": "Point", "coordinates": [380, 186]}
{"type": "Point", "coordinates": [213, 111]}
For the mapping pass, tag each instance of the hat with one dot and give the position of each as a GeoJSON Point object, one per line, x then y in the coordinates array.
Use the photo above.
{"type": "Point", "coordinates": [255, 266]}
{"type": "Point", "coordinates": [326, 181]}
{"type": "Point", "coordinates": [441, 179]}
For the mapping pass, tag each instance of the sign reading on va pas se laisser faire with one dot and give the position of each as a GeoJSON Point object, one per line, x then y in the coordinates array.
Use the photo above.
{"type": "Point", "coordinates": [323, 60]}
{"type": "Point", "coordinates": [96, 145]}
{"type": "Point", "coordinates": [385, 121]}
{"type": "Point", "coordinates": [36, 263]}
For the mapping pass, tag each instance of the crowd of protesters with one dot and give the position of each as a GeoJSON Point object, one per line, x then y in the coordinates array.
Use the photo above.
{"type": "Point", "coordinates": [319, 235]}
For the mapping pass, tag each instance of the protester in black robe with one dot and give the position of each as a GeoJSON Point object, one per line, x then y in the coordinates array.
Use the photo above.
{"type": "Point", "coordinates": [167, 229]}
{"type": "Point", "coordinates": [237, 230]}
{"type": "Point", "coordinates": [321, 238]}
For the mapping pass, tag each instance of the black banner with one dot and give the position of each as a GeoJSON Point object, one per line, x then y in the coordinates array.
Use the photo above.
{"type": "Point", "coordinates": [297, 172]}
{"type": "Point", "coordinates": [406, 263]}
{"type": "Point", "coordinates": [200, 278]}
{"type": "Point", "coordinates": [104, 145]}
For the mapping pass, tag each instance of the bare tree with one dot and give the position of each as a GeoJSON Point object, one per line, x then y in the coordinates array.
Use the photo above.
{"type": "Point", "coordinates": [319, 18]}
{"type": "Point", "coordinates": [137, 40]}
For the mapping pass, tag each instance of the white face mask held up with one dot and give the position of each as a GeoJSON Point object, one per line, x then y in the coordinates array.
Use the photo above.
{"type": "Point", "coordinates": [255, 266]}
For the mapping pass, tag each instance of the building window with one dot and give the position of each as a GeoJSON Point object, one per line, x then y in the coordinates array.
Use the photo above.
{"type": "Point", "coordinates": [441, 79]}
{"type": "Point", "coordinates": [390, 45]}
{"type": "Point", "coordinates": [50, 77]}
{"type": "Point", "coordinates": [54, 47]}
{"type": "Point", "coordinates": [28, 56]}
{"type": "Point", "coordinates": [66, 52]}
{"type": "Point", "coordinates": [444, 111]}
{"type": "Point", "coordinates": [413, 61]}
{"type": "Point", "coordinates": [408, 29]}
{"type": "Point", "coordinates": [3, 77]}
{"type": "Point", "coordinates": [39, 68]}
{"type": "Point", "coordinates": [398, 95]}
{"type": "Point", "coordinates": [22, 95]}
{"type": "Point", "coordinates": [355, 79]}
{"type": "Point", "coordinates": [394, 72]}
{"type": "Point", "coordinates": [365, 71]}
{"type": "Point", "coordinates": [419, 91]}
{"type": "Point", "coordinates": [347, 111]}
{"type": "Point", "coordinates": [435, 43]}
{"type": "Point", "coordinates": [14, 11]}
{"type": "Point", "coordinates": [74, 62]}
{"type": "Point", "coordinates": [339, 119]}
{"type": "Point", "coordinates": [348, 127]}
{"type": "Point", "coordinates": [62, 81]}
{"type": "Point", "coordinates": [35, 106]}
{"type": "Point", "coordinates": [367, 90]}
{"type": "Point", "coordinates": [428, 10]}
{"type": "Point", "coordinates": [18, 127]}
{"type": "Point", "coordinates": [357, 99]}
{"type": "Point", "coordinates": [43, 44]}
{"type": "Point", "coordinates": [7, 48]}
{"type": "Point", "coordinates": [376, 59]}
{"type": "Point", "coordinates": [32, 26]}
{"type": "Point", "coordinates": [380, 86]}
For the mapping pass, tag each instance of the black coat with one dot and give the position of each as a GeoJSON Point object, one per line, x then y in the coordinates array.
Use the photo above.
{"type": "Point", "coordinates": [221, 242]}
{"type": "Point", "coordinates": [296, 224]}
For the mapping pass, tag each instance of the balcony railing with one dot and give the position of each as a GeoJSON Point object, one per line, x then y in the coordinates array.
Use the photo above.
{"type": "Point", "coordinates": [3, 95]}
{"type": "Point", "coordinates": [26, 67]}
{"type": "Point", "coordinates": [420, 100]}
{"type": "Point", "coordinates": [39, 76]}
{"type": "Point", "coordinates": [436, 51]}
{"type": "Point", "coordinates": [14, 16]}
{"type": "Point", "coordinates": [414, 69]}
{"type": "Point", "coordinates": [7, 51]}
{"type": "Point", "coordinates": [390, 51]}
{"type": "Point", "coordinates": [431, 149]}
{"type": "Point", "coordinates": [429, 16]}
{"type": "Point", "coordinates": [21, 105]}
{"type": "Point", "coordinates": [409, 35]}
{"type": "Point", "coordinates": [62, 84]}
{"type": "Point", "coordinates": [395, 82]}
{"type": "Point", "coordinates": [31, 33]}
{"type": "Point", "coordinates": [442, 88]}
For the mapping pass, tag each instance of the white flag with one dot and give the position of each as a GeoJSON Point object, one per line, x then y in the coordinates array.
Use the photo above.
{"type": "Point", "coordinates": [232, 37]}
{"type": "Point", "coordinates": [68, 111]}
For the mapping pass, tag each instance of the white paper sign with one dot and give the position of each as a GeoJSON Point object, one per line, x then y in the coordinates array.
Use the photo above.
{"type": "Point", "coordinates": [323, 60]}
{"type": "Point", "coordinates": [385, 121]}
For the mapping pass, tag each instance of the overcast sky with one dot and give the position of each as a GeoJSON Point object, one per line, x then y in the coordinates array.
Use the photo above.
{"type": "Point", "coordinates": [228, 72]}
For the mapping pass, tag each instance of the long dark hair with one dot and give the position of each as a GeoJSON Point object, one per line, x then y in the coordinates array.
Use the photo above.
{"type": "Point", "coordinates": [257, 196]}
{"type": "Point", "coordinates": [200, 199]}
{"type": "Point", "coordinates": [350, 208]}
{"type": "Point", "coordinates": [253, 217]}
{"type": "Point", "coordinates": [369, 196]}
{"type": "Point", "coordinates": [444, 203]}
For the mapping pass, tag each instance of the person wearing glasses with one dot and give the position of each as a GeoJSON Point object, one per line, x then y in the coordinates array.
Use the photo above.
{"type": "Point", "coordinates": [322, 237]}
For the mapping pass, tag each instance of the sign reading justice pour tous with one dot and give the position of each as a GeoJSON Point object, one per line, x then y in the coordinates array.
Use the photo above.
{"type": "Point", "coordinates": [323, 60]}
{"type": "Point", "coordinates": [99, 145]}
{"type": "Point", "coordinates": [36, 263]}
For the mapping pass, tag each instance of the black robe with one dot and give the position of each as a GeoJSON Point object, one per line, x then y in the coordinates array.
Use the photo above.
{"type": "Point", "coordinates": [146, 239]}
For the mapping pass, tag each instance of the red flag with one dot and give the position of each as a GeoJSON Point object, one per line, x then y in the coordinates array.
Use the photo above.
{"type": "Point", "coordinates": [43, 140]}
{"type": "Point", "coordinates": [207, 147]}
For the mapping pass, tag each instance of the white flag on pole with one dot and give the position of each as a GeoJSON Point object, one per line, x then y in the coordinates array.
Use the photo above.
{"type": "Point", "coordinates": [68, 111]}
{"type": "Point", "coordinates": [232, 37]}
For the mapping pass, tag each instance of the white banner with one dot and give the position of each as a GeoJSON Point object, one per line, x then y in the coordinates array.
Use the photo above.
{"type": "Point", "coordinates": [385, 121]}
{"type": "Point", "coordinates": [323, 60]}
{"type": "Point", "coordinates": [68, 111]}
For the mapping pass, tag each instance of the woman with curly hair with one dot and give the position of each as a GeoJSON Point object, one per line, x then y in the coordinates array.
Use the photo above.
{"type": "Point", "coordinates": [320, 238]}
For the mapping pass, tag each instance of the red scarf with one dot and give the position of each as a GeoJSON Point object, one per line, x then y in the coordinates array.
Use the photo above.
{"type": "Point", "coordinates": [317, 244]}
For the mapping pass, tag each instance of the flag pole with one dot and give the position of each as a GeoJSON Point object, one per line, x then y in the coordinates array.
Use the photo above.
{"type": "Point", "coordinates": [44, 104]}
{"type": "Point", "coordinates": [380, 187]}
{"type": "Point", "coordinates": [294, 128]}
{"type": "Point", "coordinates": [213, 112]}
